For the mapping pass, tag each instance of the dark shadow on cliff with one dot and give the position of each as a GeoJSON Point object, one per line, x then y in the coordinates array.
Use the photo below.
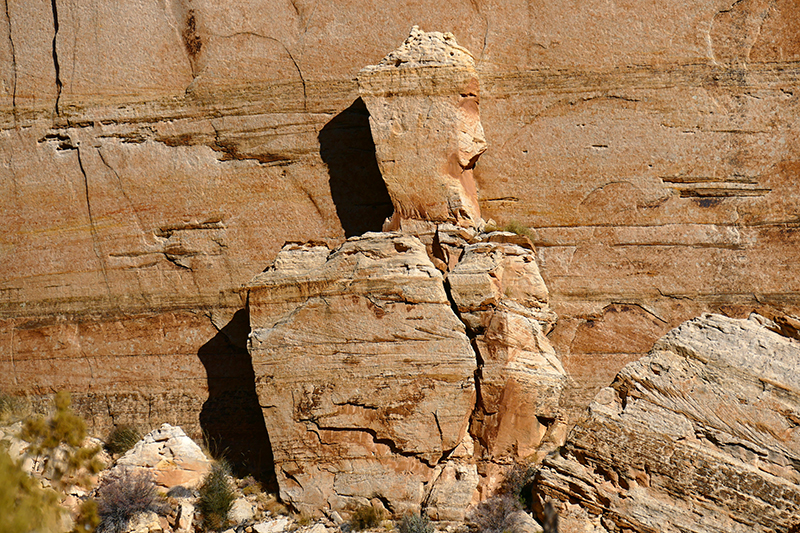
{"type": "Point", "coordinates": [357, 187]}
{"type": "Point", "coordinates": [231, 418]}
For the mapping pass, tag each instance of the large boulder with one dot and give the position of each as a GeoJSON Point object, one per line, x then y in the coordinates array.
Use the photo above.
{"type": "Point", "coordinates": [700, 435]}
{"type": "Point", "coordinates": [423, 104]}
{"type": "Point", "coordinates": [172, 457]}
{"type": "Point", "coordinates": [363, 372]}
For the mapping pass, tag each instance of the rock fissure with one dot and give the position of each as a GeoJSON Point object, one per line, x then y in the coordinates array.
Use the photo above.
{"type": "Point", "coordinates": [13, 63]}
{"type": "Point", "coordinates": [56, 65]}
{"type": "Point", "coordinates": [92, 227]}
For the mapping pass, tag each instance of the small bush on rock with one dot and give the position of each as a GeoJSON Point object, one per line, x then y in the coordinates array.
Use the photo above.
{"type": "Point", "coordinates": [216, 497]}
{"type": "Point", "coordinates": [122, 438]}
{"type": "Point", "coordinates": [124, 494]}
{"type": "Point", "coordinates": [365, 517]}
{"type": "Point", "coordinates": [415, 523]}
{"type": "Point", "coordinates": [493, 515]}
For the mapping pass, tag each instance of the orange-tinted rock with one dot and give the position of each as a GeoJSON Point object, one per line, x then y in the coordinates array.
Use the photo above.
{"type": "Point", "coordinates": [423, 105]}
{"type": "Point", "coordinates": [654, 169]}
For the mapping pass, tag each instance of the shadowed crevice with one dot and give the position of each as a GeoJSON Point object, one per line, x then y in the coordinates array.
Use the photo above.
{"type": "Point", "coordinates": [357, 188]}
{"type": "Point", "coordinates": [231, 418]}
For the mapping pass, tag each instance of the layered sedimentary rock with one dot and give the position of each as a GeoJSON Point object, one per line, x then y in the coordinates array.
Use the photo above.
{"type": "Point", "coordinates": [364, 373]}
{"type": "Point", "coordinates": [701, 435]}
{"type": "Point", "coordinates": [373, 387]}
{"type": "Point", "coordinates": [423, 104]}
{"type": "Point", "coordinates": [652, 149]}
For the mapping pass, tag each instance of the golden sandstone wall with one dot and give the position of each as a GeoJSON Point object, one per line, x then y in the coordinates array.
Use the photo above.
{"type": "Point", "coordinates": [157, 155]}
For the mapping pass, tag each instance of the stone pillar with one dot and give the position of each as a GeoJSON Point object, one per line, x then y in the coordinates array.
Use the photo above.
{"type": "Point", "coordinates": [423, 105]}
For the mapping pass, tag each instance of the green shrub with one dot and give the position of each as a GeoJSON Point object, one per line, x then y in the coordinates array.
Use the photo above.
{"type": "Point", "coordinates": [122, 438]}
{"type": "Point", "coordinates": [365, 517]}
{"type": "Point", "coordinates": [57, 442]}
{"type": "Point", "coordinates": [24, 505]}
{"type": "Point", "coordinates": [122, 495]}
{"type": "Point", "coordinates": [415, 523]}
{"type": "Point", "coordinates": [216, 497]}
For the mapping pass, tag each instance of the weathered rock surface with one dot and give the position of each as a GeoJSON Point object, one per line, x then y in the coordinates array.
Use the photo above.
{"type": "Point", "coordinates": [363, 371]}
{"type": "Point", "coordinates": [501, 297]}
{"type": "Point", "coordinates": [423, 105]}
{"type": "Point", "coordinates": [701, 435]}
{"type": "Point", "coordinates": [652, 148]}
{"type": "Point", "coordinates": [171, 456]}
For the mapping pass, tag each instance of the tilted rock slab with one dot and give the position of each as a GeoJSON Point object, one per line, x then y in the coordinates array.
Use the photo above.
{"type": "Point", "coordinates": [701, 435]}
{"type": "Point", "coordinates": [363, 372]}
{"type": "Point", "coordinates": [423, 105]}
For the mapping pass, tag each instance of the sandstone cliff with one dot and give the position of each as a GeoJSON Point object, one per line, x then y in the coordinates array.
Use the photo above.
{"type": "Point", "coordinates": [156, 157]}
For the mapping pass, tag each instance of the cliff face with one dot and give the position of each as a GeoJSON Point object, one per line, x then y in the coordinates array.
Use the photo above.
{"type": "Point", "coordinates": [156, 157]}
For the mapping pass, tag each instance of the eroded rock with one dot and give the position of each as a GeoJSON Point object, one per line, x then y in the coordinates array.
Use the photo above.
{"type": "Point", "coordinates": [363, 372]}
{"type": "Point", "coordinates": [172, 457]}
{"type": "Point", "coordinates": [701, 435]}
{"type": "Point", "coordinates": [423, 105]}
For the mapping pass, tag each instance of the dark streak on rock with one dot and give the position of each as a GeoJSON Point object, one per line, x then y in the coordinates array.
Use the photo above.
{"type": "Point", "coordinates": [59, 84]}
{"type": "Point", "coordinates": [13, 65]}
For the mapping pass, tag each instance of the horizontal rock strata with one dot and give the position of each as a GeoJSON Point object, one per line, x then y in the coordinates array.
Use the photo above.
{"type": "Point", "coordinates": [653, 150]}
{"type": "Point", "coordinates": [700, 435]}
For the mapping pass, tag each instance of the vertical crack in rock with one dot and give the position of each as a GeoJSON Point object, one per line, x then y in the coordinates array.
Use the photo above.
{"type": "Point", "coordinates": [13, 65]}
{"type": "Point", "coordinates": [92, 227]}
{"type": "Point", "coordinates": [56, 65]}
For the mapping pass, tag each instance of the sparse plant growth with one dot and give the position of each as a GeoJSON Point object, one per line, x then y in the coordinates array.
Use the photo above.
{"type": "Point", "coordinates": [179, 491]}
{"type": "Point", "coordinates": [415, 523]}
{"type": "Point", "coordinates": [13, 408]}
{"type": "Point", "coordinates": [56, 441]}
{"type": "Point", "coordinates": [88, 517]}
{"type": "Point", "coordinates": [250, 485]}
{"type": "Point", "coordinates": [511, 227]}
{"type": "Point", "coordinates": [216, 497]}
{"type": "Point", "coordinates": [366, 517]}
{"type": "Point", "coordinates": [122, 438]}
{"type": "Point", "coordinates": [24, 505]}
{"type": "Point", "coordinates": [123, 495]}
{"type": "Point", "coordinates": [493, 515]}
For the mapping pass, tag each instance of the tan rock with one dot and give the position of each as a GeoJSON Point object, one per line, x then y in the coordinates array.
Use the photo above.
{"type": "Point", "coordinates": [423, 105]}
{"type": "Point", "coordinates": [364, 374]}
{"type": "Point", "coordinates": [171, 456]}
{"type": "Point", "coordinates": [700, 435]}
{"type": "Point", "coordinates": [500, 295]}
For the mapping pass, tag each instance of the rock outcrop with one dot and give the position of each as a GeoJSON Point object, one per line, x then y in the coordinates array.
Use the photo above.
{"type": "Point", "coordinates": [170, 456]}
{"type": "Point", "coordinates": [701, 435]}
{"type": "Point", "coordinates": [363, 371]}
{"type": "Point", "coordinates": [423, 105]}
{"type": "Point", "coordinates": [380, 377]}
{"type": "Point", "coordinates": [500, 295]}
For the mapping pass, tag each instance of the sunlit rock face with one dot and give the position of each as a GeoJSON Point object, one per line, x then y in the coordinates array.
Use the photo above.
{"type": "Point", "coordinates": [363, 372]}
{"type": "Point", "coordinates": [423, 105]}
{"type": "Point", "coordinates": [701, 435]}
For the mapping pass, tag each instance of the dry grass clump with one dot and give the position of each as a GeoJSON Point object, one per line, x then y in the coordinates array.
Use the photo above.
{"type": "Point", "coordinates": [216, 497]}
{"type": "Point", "coordinates": [123, 495]}
{"type": "Point", "coordinates": [122, 438]}
{"type": "Point", "coordinates": [366, 517]}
